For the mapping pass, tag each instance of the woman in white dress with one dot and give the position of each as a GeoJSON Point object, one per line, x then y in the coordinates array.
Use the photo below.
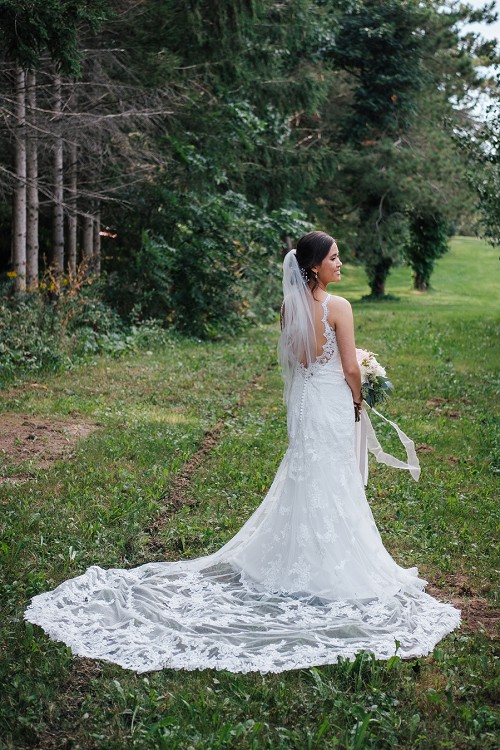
{"type": "Point", "coordinates": [307, 579]}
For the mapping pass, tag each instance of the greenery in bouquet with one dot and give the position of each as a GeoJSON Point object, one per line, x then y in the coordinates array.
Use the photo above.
{"type": "Point", "coordinates": [375, 385]}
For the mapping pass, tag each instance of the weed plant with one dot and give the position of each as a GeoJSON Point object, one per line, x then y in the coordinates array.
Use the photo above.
{"type": "Point", "coordinates": [99, 506]}
{"type": "Point", "coordinates": [53, 330]}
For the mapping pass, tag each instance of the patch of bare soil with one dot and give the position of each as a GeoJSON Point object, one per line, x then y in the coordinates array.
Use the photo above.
{"type": "Point", "coordinates": [477, 612]}
{"type": "Point", "coordinates": [459, 460]}
{"type": "Point", "coordinates": [446, 401]}
{"type": "Point", "coordinates": [38, 440]}
{"type": "Point", "coordinates": [444, 406]}
{"type": "Point", "coordinates": [425, 448]}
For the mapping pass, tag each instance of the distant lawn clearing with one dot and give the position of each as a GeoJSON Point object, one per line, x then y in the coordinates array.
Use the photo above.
{"type": "Point", "coordinates": [185, 443]}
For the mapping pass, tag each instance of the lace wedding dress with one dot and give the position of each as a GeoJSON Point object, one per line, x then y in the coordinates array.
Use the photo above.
{"type": "Point", "coordinates": [305, 581]}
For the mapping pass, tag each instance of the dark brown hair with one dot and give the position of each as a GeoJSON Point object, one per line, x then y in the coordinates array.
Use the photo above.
{"type": "Point", "coordinates": [312, 248]}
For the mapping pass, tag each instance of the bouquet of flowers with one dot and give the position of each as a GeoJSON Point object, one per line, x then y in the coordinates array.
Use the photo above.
{"type": "Point", "coordinates": [375, 386]}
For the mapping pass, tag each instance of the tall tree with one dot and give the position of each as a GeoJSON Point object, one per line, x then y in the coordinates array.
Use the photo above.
{"type": "Point", "coordinates": [427, 241]}
{"type": "Point", "coordinates": [378, 44]}
{"type": "Point", "coordinates": [438, 196]}
{"type": "Point", "coordinates": [481, 149]}
{"type": "Point", "coordinates": [19, 222]}
{"type": "Point", "coordinates": [411, 79]}
{"type": "Point", "coordinates": [29, 28]}
{"type": "Point", "coordinates": [32, 200]}
{"type": "Point", "coordinates": [57, 257]}
{"type": "Point", "coordinates": [72, 202]}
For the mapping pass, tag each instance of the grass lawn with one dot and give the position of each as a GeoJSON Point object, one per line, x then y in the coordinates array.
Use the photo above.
{"type": "Point", "coordinates": [115, 500]}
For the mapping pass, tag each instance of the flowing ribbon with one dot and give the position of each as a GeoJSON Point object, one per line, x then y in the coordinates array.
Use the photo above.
{"type": "Point", "coordinates": [366, 440]}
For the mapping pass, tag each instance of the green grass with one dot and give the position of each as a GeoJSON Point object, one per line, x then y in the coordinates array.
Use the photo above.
{"type": "Point", "coordinates": [153, 412]}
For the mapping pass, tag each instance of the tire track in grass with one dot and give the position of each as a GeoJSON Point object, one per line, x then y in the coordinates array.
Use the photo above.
{"type": "Point", "coordinates": [178, 494]}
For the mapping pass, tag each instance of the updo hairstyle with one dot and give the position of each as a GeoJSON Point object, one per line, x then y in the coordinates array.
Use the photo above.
{"type": "Point", "coordinates": [312, 248]}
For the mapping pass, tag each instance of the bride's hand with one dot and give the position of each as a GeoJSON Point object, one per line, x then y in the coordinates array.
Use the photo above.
{"type": "Point", "coordinates": [358, 405]}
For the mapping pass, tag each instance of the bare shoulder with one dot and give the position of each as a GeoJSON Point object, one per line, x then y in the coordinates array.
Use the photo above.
{"type": "Point", "coordinates": [339, 311]}
{"type": "Point", "coordinates": [339, 305]}
{"type": "Point", "coordinates": [340, 302]}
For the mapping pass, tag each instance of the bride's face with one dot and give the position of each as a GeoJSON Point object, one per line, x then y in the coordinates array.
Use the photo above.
{"type": "Point", "coordinates": [329, 269]}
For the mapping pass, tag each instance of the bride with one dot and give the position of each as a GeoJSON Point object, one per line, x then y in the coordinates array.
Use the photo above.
{"type": "Point", "coordinates": [307, 579]}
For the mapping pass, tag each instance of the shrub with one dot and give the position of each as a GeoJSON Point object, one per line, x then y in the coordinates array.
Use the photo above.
{"type": "Point", "coordinates": [30, 335]}
{"type": "Point", "coordinates": [64, 322]}
{"type": "Point", "coordinates": [214, 267]}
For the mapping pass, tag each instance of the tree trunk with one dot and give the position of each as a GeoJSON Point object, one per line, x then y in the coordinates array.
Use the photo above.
{"type": "Point", "coordinates": [19, 217]}
{"type": "Point", "coordinates": [378, 275]}
{"type": "Point", "coordinates": [377, 286]}
{"type": "Point", "coordinates": [419, 282]}
{"type": "Point", "coordinates": [58, 209]}
{"type": "Point", "coordinates": [287, 240]}
{"type": "Point", "coordinates": [88, 237]}
{"type": "Point", "coordinates": [97, 243]}
{"type": "Point", "coordinates": [72, 204]}
{"type": "Point", "coordinates": [32, 187]}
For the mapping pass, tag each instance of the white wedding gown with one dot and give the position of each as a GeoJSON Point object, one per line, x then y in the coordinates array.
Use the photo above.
{"type": "Point", "coordinates": [305, 581]}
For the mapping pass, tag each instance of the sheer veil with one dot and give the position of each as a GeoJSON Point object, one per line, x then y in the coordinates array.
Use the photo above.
{"type": "Point", "coordinates": [297, 343]}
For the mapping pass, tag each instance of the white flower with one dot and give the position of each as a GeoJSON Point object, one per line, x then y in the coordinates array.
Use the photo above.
{"type": "Point", "coordinates": [362, 354]}
{"type": "Point", "coordinates": [364, 374]}
{"type": "Point", "coordinates": [379, 371]}
{"type": "Point", "coordinates": [370, 368]}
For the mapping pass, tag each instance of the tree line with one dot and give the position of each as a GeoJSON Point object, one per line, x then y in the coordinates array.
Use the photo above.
{"type": "Point", "coordinates": [175, 146]}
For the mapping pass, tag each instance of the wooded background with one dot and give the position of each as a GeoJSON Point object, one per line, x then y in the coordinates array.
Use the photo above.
{"type": "Point", "coordinates": [168, 151]}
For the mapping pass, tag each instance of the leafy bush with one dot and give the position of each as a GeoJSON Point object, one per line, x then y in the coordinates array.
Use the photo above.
{"type": "Point", "coordinates": [211, 266]}
{"type": "Point", "coordinates": [30, 338]}
{"type": "Point", "coordinates": [63, 323]}
{"type": "Point", "coordinates": [140, 288]}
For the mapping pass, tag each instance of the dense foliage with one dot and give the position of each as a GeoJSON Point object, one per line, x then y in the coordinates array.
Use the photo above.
{"type": "Point", "coordinates": [58, 328]}
{"type": "Point", "coordinates": [185, 145]}
{"type": "Point", "coordinates": [207, 266]}
{"type": "Point", "coordinates": [482, 151]}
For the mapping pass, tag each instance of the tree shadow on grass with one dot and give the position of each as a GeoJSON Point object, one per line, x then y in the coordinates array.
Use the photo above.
{"type": "Point", "coordinates": [380, 298]}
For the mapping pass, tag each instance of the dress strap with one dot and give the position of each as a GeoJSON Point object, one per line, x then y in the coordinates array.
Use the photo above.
{"type": "Point", "coordinates": [324, 305]}
{"type": "Point", "coordinates": [326, 325]}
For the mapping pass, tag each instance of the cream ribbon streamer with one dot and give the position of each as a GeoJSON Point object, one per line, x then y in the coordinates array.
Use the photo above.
{"type": "Point", "coordinates": [366, 440]}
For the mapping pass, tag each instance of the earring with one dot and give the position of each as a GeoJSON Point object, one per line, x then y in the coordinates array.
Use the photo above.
{"type": "Point", "coordinates": [316, 277]}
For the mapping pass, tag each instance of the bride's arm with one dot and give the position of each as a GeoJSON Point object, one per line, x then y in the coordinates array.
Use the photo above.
{"type": "Point", "coordinates": [344, 330]}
